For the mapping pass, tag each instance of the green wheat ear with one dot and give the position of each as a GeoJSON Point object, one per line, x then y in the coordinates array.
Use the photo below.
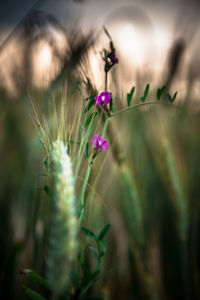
{"type": "Point", "coordinates": [62, 243]}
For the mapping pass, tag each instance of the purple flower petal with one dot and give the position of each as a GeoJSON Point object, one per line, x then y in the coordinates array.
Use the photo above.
{"type": "Point", "coordinates": [98, 101]}
{"type": "Point", "coordinates": [107, 97]}
{"type": "Point", "coordinates": [104, 146]}
{"type": "Point", "coordinates": [94, 141]}
{"type": "Point", "coordinates": [103, 98]}
{"type": "Point", "coordinates": [99, 143]}
{"type": "Point", "coordinates": [113, 58]}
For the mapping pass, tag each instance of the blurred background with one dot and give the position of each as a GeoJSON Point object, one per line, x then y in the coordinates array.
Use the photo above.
{"type": "Point", "coordinates": [48, 49]}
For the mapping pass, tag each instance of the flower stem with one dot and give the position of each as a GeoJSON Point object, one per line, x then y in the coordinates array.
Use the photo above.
{"type": "Point", "coordinates": [105, 126]}
{"type": "Point", "coordinates": [87, 175]}
{"type": "Point", "coordinates": [133, 107]}
{"type": "Point", "coordinates": [106, 80]}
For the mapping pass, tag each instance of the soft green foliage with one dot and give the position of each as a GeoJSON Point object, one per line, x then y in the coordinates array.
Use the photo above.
{"type": "Point", "coordinates": [146, 91]}
{"type": "Point", "coordinates": [172, 98]}
{"type": "Point", "coordinates": [90, 118]}
{"type": "Point", "coordinates": [130, 96]}
{"type": "Point", "coordinates": [160, 92]}
{"type": "Point", "coordinates": [33, 295]}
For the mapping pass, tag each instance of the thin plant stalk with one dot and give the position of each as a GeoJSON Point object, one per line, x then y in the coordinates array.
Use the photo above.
{"type": "Point", "coordinates": [86, 179]}
{"type": "Point", "coordinates": [182, 213]}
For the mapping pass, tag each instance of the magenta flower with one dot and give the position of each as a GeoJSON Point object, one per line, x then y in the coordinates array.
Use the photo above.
{"type": "Point", "coordinates": [99, 143]}
{"type": "Point", "coordinates": [113, 58]}
{"type": "Point", "coordinates": [102, 99]}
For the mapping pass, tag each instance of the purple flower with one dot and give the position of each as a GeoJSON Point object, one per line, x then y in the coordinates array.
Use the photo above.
{"type": "Point", "coordinates": [113, 58]}
{"type": "Point", "coordinates": [99, 143]}
{"type": "Point", "coordinates": [102, 99]}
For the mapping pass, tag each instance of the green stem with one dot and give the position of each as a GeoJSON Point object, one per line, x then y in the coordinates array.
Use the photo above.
{"type": "Point", "coordinates": [105, 126]}
{"type": "Point", "coordinates": [106, 79]}
{"type": "Point", "coordinates": [87, 175]}
{"type": "Point", "coordinates": [133, 107]}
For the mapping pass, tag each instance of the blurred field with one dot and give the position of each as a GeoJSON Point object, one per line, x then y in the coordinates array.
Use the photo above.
{"type": "Point", "coordinates": [146, 186]}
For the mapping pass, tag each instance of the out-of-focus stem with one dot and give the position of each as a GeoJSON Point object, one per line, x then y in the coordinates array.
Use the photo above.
{"type": "Point", "coordinates": [182, 213]}
{"type": "Point", "coordinates": [106, 80]}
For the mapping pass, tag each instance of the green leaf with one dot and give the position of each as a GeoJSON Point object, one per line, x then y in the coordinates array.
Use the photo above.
{"type": "Point", "coordinates": [103, 232]}
{"type": "Point", "coordinates": [130, 95]}
{"type": "Point", "coordinates": [142, 99]}
{"type": "Point", "coordinates": [90, 118]}
{"type": "Point", "coordinates": [89, 98]}
{"type": "Point", "coordinates": [89, 233]}
{"type": "Point", "coordinates": [90, 104]}
{"type": "Point", "coordinates": [36, 277]}
{"type": "Point", "coordinates": [87, 154]}
{"type": "Point", "coordinates": [95, 252]}
{"type": "Point", "coordinates": [92, 279]}
{"type": "Point", "coordinates": [39, 279]}
{"type": "Point", "coordinates": [113, 108]}
{"type": "Point", "coordinates": [103, 247]}
{"type": "Point", "coordinates": [159, 92]}
{"type": "Point", "coordinates": [171, 99]}
{"type": "Point", "coordinates": [33, 295]}
{"type": "Point", "coordinates": [145, 93]}
{"type": "Point", "coordinates": [89, 130]}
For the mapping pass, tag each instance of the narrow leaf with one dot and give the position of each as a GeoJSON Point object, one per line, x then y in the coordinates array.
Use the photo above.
{"type": "Point", "coordinates": [113, 108]}
{"type": "Point", "coordinates": [89, 98]}
{"type": "Point", "coordinates": [171, 99]}
{"type": "Point", "coordinates": [35, 277]}
{"type": "Point", "coordinates": [89, 233]}
{"type": "Point", "coordinates": [103, 247]}
{"type": "Point", "coordinates": [146, 91]}
{"type": "Point", "coordinates": [159, 93]}
{"type": "Point", "coordinates": [87, 150]}
{"type": "Point", "coordinates": [90, 104]}
{"type": "Point", "coordinates": [130, 95]}
{"type": "Point", "coordinates": [90, 118]}
{"type": "Point", "coordinates": [93, 278]}
{"type": "Point", "coordinates": [143, 98]}
{"type": "Point", "coordinates": [174, 97]}
{"type": "Point", "coordinates": [89, 130]}
{"type": "Point", "coordinates": [33, 295]}
{"type": "Point", "coordinates": [103, 232]}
